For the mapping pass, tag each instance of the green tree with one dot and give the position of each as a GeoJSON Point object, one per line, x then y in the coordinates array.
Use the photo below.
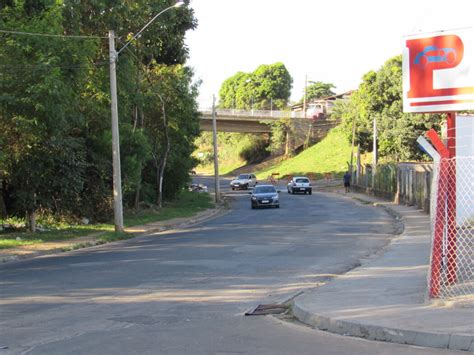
{"type": "Point", "coordinates": [229, 89]}
{"type": "Point", "coordinates": [318, 90]}
{"type": "Point", "coordinates": [172, 126]}
{"type": "Point", "coordinates": [55, 105]}
{"type": "Point", "coordinates": [40, 108]}
{"type": "Point", "coordinates": [269, 86]}
{"type": "Point", "coordinates": [379, 98]}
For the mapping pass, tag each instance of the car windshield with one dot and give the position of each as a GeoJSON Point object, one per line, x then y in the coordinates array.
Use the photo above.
{"type": "Point", "coordinates": [264, 189]}
{"type": "Point", "coordinates": [243, 176]}
{"type": "Point", "coordinates": [302, 180]}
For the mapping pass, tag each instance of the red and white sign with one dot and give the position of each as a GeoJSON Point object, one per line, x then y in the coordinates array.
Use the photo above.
{"type": "Point", "coordinates": [438, 71]}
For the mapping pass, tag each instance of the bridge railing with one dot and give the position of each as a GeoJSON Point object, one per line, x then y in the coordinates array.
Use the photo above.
{"type": "Point", "coordinates": [253, 113]}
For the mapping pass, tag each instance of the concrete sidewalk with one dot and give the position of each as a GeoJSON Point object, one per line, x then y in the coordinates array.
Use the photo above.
{"type": "Point", "coordinates": [39, 249]}
{"type": "Point", "coordinates": [386, 298]}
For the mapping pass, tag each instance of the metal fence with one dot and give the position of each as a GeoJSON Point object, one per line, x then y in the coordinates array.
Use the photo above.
{"type": "Point", "coordinates": [452, 256]}
{"type": "Point", "coordinates": [267, 114]}
{"type": "Point", "coordinates": [405, 183]}
{"type": "Point", "coordinates": [446, 190]}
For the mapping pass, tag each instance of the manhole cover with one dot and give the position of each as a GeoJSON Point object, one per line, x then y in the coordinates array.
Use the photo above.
{"type": "Point", "coordinates": [265, 309]}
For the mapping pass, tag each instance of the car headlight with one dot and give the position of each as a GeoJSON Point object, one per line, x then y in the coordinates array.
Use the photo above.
{"type": "Point", "coordinates": [254, 198]}
{"type": "Point", "coordinates": [275, 199]}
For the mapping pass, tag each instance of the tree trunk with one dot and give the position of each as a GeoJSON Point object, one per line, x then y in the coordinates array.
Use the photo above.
{"type": "Point", "coordinates": [164, 157]}
{"type": "Point", "coordinates": [158, 179]}
{"type": "Point", "coordinates": [137, 198]}
{"type": "Point", "coordinates": [135, 118]}
{"type": "Point", "coordinates": [31, 216]}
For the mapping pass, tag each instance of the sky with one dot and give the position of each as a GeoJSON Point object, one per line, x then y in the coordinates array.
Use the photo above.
{"type": "Point", "coordinates": [330, 41]}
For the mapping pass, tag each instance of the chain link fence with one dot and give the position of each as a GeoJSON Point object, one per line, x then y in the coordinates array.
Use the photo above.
{"type": "Point", "coordinates": [452, 218]}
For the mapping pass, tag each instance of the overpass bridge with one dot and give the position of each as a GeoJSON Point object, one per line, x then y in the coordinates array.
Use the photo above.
{"type": "Point", "coordinates": [304, 130]}
{"type": "Point", "coordinates": [242, 121]}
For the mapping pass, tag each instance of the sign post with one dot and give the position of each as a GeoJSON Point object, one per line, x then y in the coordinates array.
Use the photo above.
{"type": "Point", "coordinates": [438, 77]}
{"type": "Point", "coordinates": [438, 72]}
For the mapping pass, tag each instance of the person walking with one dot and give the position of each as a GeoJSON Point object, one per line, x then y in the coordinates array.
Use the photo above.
{"type": "Point", "coordinates": [347, 181]}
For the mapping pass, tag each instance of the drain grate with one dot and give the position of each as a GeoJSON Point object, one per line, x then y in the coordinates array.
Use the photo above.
{"type": "Point", "coordinates": [265, 309]}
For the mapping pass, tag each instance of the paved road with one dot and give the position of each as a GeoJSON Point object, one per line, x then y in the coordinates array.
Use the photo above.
{"type": "Point", "coordinates": [185, 291]}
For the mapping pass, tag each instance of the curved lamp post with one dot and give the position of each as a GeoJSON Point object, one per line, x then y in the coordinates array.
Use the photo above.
{"type": "Point", "coordinates": [113, 56]}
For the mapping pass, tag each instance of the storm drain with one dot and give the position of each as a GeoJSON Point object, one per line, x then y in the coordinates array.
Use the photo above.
{"type": "Point", "coordinates": [265, 309]}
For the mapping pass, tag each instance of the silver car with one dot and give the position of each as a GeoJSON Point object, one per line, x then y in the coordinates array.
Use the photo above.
{"type": "Point", "coordinates": [299, 184]}
{"type": "Point", "coordinates": [243, 181]}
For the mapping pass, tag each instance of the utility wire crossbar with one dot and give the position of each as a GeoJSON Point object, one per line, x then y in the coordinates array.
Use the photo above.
{"type": "Point", "coordinates": [51, 35]}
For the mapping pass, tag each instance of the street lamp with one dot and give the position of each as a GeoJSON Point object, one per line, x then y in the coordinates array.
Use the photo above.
{"type": "Point", "coordinates": [117, 180]}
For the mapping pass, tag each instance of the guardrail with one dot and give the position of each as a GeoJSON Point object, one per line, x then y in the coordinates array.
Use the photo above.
{"type": "Point", "coordinates": [271, 114]}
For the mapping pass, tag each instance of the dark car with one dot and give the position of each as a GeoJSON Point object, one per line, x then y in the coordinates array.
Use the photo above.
{"type": "Point", "coordinates": [265, 196]}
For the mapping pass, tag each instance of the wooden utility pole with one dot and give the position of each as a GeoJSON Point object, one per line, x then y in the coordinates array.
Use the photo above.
{"type": "Point", "coordinates": [216, 157]}
{"type": "Point", "coordinates": [304, 95]}
{"type": "Point", "coordinates": [353, 141]}
{"type": "Point", "coordinates": [117, 179]}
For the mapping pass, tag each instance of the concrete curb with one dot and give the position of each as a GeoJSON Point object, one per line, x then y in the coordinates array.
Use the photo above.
{"type": "Point", "coordinates": [387, 334]}
{"type": "Point", "coordinates": [335, 324]}
{"type": "Point", "coordinates": [147, 229]}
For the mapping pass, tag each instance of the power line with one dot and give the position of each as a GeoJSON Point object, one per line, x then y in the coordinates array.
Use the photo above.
{"type": "Point", "coordinates": [51, 35]}
{"type": "Point", "coordinates": [51, 66]}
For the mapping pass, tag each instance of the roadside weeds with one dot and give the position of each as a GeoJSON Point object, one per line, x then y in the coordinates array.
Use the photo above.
{"type": "Point", "coordinates": [156, 223]}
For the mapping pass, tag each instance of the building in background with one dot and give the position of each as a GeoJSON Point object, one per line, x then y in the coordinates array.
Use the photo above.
{"type": "Point", "coordinates": [320, 109]}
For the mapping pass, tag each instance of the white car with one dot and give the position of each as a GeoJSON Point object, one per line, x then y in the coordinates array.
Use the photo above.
{"type": "Point", "coordinates": [243, 181]}
{"type": "Point", "coordinates": [299, 184]}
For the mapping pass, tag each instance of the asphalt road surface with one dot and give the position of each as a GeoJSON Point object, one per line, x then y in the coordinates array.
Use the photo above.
{"type": "Point", "coordinates": [186, 291]}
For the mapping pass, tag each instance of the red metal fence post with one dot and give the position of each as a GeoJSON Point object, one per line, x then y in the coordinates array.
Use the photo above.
{"type": "Point", "coordinates": [441, 213]}
{"type": "Point", "coordinates": [439, 224]}
{"type": "Point", "coordinates": [451, 200]}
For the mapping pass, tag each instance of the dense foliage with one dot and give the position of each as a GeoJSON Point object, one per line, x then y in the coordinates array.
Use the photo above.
{"type": "Point", "coordinates": [379, 98]}
{"type": "Point", "coordinates": [234, 150]}
{"type": "Point", "coordinates": [55, 105]}
{"type": "Point", "coordinates": [318, 90]}
{"type": "Point", "coordinates": [268, 87]}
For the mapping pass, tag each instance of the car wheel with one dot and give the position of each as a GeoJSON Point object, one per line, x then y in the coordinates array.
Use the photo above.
{"type": "Point", "coordinates": [310, 192]}
{"type": "Point", "coordinates": [277, 206]}
{"type": "Point", "coordinates": [253, 207]}
{"type": "Point", "coordinates": [246, 186]}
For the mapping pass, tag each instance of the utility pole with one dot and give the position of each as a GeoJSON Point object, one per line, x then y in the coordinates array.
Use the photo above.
{"type": "Point", "coordinates": [117, 184]}
{"type": "Point", "coordinates": [113, 56]}
{"type": "Point", "coordinates": [216, 158]}
{"type": "Point", "coordinates": [375, 153]}
{"type": "Point", "coordinates": [353, 141]}
{"type": "Point", "coordinates": [358, 165]}
{"type": "Point", "coordinates": [375, 157]}
{"type": "Point", "coordinates": [304, 95]}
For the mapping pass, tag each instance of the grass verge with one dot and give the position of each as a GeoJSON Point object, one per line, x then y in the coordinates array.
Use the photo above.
{"type": "Point", "coordinates": [186, 205]}
{"type": "Point", "coordinates": [224, 168]}
{"type": "Point", "coordinates": [331, 155]}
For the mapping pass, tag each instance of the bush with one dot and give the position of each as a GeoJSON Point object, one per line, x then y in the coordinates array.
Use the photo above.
{"type": "Point", "coordinates": [256, 152]}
